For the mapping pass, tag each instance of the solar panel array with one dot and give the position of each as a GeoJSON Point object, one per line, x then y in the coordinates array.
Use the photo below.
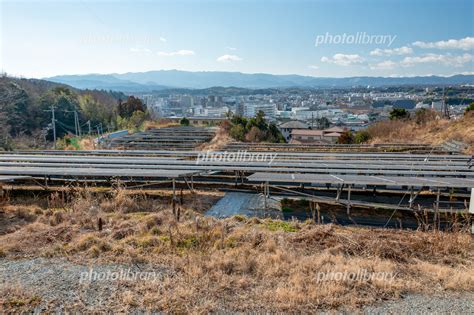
{"type": "Point", "coordinates": [410, 181]}
{"type": "Point", "coordinates": [395, 147]}
{"type": "Point", "coordinates": [170, 138]}
{"type": "Point", "coordinates": [318, 167]}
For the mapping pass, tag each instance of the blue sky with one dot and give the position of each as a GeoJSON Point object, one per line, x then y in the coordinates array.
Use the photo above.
{"type": "Point", "coordinates": [45, 38]}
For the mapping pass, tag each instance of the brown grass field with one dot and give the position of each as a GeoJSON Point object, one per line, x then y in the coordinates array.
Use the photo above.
{"type": "Point", "coordinates": [229, 265]}
{"type": "Point", "coordinates": [431, 131]}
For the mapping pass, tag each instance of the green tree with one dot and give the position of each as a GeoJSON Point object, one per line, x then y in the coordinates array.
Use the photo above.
{"type": "Point", "coordinates": [133, 104]}
{"type": "Point", "coordinates": [184, 122]}
{"type": "Point", "coordinates": [322, 123]}
{"type": "Point", "coordinates": [16, 106]}
{"type": "Point", "coordinates": [237, 132]}
{"type": "Point", "coordinates": [399, 113]}
{"type": "Point", "coordinates": [138, 118]}
{"type": "Point", "coordinates": [362, 136]}
{"type": "Point", "coordinates": [94, 111]}
{"type": "Point", "coordinates": [469, 108]}
{"type": "Point", "coordinates": [65, 103]}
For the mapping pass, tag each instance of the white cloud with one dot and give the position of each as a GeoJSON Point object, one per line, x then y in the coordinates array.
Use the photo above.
{"type": "Point", "coordinates": [448, 60]}
{"type": "Point", "coordinates": [314, 67]}
{"type": "Point", "coordinates": [384, 65]}
{"type": "Point", "coordinates": [464, 44]}
{"type": "Point", "coordinates": [228, 58]}
{"type": "Point", "coordinates": [343, 60]}
{"type": "Point", "coordinates": [182, 52]}
{"type": "Point", "coordinates": [162, 39]}
{"type": "Point", "coordinates": [389, 52]}
{"type": "Point", "coordinates": [140, 50]}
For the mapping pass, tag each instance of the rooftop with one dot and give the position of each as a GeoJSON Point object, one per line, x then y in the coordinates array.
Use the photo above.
{"type": "Point", "coordinates": [294, 124]}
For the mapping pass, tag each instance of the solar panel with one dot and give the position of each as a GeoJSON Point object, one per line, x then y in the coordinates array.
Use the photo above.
{"type": "Point", "coordinates": [363, 180]}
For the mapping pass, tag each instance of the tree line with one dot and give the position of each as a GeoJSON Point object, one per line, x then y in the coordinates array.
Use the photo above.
{"type": "Point", "coordinates": [26, 107]}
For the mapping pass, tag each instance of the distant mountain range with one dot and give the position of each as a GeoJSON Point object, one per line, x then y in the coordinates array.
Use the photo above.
{"type": "Point", "coordinates": [166, 79]}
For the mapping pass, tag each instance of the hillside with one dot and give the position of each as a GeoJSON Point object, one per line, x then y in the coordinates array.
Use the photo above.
{"type": "Point", "coordinates": [432, 131]}
{"type": "Point", "coordinates": [25, 106]}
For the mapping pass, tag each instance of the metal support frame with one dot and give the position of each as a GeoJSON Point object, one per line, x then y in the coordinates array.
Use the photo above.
{"type": "Point", "coordinates": [349, 199]}
{"type": "Point", "coordinates": [436, 214]}
{"type": "Point", "coordinates": [266, 194]}
{"type": "Point", "coordinates": [190, 186]}
{"type": "Point", "coordinates": [174, 188]}
{"type": "Point", "coordinates": [413, 196]}
{"type": "Point", "coordinates": [339, 191]}
{"type": "Point", "coordinates": [471, 209]}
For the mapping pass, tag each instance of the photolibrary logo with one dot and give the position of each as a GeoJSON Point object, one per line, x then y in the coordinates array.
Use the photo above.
{"type": "Point", "coordinates": [118, 275]}
{"type": "Point", "coordinates": [361, 275]}
{"type": "Point", "coordinates": [239, 156]}
{"type": "Point", "coordinates": [359, 38]}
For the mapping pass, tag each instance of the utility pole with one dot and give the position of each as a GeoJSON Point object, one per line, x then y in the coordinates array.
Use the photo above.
{"type": "Point", "coordinates": [75, 124]}
{"type": "Point", "coordinates": [53, 123]}
{"type": "Point", "coordinates": [444, 106]}
{"type": "Point", "coordinates": [78, 126]}
{"type": "Point", "coordinates": [89, 125]}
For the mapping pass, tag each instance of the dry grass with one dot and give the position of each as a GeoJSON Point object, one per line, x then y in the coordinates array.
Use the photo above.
{"type": "Point", "coordinates": [434, 131]}
{"type": "Point", "coordinates": [241, 264]}
{"type": "Point", "coordinates": [87, 143]}
{"type": "Point", "coordinates": [221, 139]}
{"type": "Point", "coordinates": [17, 300]}
{"type": "Point", "coordinates": [159, 123]}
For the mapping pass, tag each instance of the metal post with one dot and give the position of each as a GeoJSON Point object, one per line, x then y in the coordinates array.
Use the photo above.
{"type": "Point", "coordinates": [174, 188]}
{"type": "Point", "coordinates": [349, 199]}
{"type": "Point", "coordinates": [265, 194]}
{"type": "Point", "coordinates": [339, 191]}
{"type": "Point", "coordinates": [435, 223]}
{"type": "Point", "coordinates": [437, 199]}
{"type": "Point", "coordinates": [89, 125]}
{"type": "Point", "coordinates": [471, 209]}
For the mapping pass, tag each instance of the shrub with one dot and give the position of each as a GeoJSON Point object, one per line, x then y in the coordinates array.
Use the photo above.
{"type": "Point", "coordinates": [362, 136]}
{"type": "Point", "coordinates": [423, 116]}
{"type": "Point", "coordinates": [184, 122]}
{"type": "Point", "coordinates": [399, 113]}
{"type": "Point", "coordinates": [346, 138]}
{"type": "Point", "coordinates": [469, 108]}
{"type": "Point", "coordinates": [237, 132]}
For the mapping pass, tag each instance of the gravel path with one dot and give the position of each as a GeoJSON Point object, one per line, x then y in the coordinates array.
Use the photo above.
{"type": "Point", "coordinates": [250, 205]}
{"type": "Point", "coordinates": [448, 303]}
{"type": "Point", "coordinates": [64, 285]}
